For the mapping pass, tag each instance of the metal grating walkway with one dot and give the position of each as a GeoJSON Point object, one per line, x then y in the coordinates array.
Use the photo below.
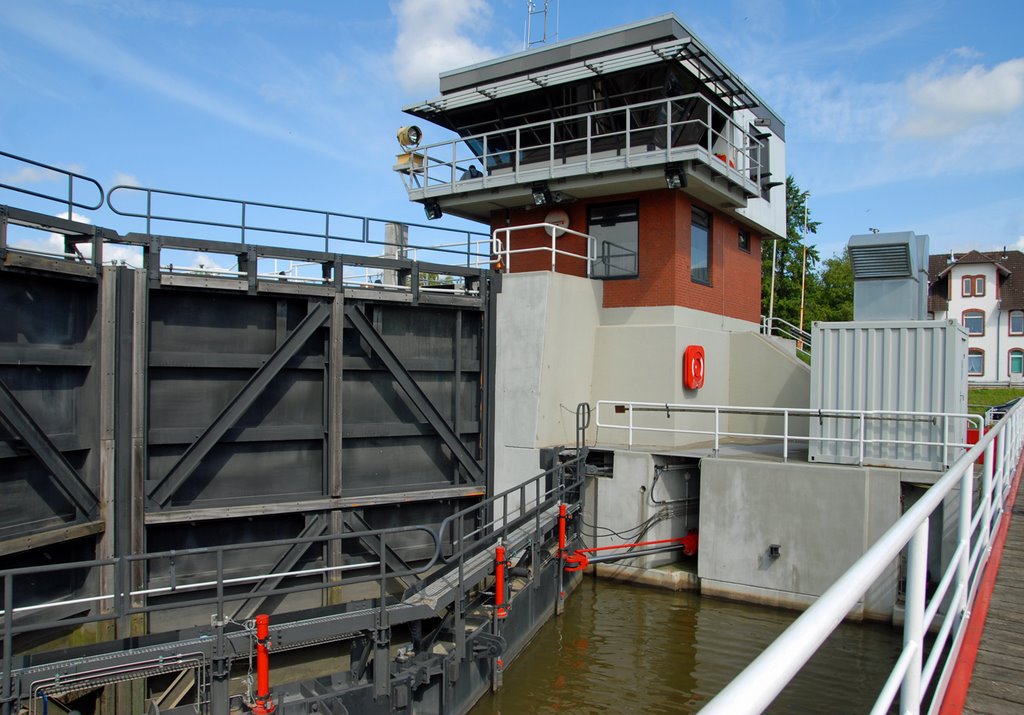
{"type": "Point", "coordinates": [997, 684]}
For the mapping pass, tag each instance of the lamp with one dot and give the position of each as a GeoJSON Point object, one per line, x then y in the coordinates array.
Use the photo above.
{"type": "Point", "coordinates": [675, 177]}
{"type": "Point", "coordinates": [432, 209]}
{"type": "Point", "coordinates": [409, 137]}
{"type": "Point", "coordinates": [541, 194]}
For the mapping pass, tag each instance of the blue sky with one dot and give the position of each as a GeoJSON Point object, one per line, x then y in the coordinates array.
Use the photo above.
{"type": "Point", "coordinates": [900, 115]}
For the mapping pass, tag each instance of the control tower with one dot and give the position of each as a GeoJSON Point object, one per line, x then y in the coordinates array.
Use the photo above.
{"type": "Point", "coordinates": [666, 168]}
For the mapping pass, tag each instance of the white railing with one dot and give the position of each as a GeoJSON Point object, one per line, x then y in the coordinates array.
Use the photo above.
{"type": "Point", "coordinates": [787, 414]}
{"type": "Point", "coordinates": [915, 670]}
{"type": "Point", "coordinates": [502, 251]}
{"type": "Point", "coordinates": [646, 133]}
{"type": "Point", "coordinates": [784, 329]}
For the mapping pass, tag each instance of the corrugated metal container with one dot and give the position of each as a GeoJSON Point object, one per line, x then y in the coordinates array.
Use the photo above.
{"type": "Point", "coordinates": [890, 366]}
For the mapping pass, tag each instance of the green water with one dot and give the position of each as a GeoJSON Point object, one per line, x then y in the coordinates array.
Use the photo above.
{"type": "Point", "coordinates": [629, 649]}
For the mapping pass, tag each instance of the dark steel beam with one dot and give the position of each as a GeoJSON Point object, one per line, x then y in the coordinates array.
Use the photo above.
{"type": "Point", "coordinates": [411, 388]}
{"type": "Point", "coordinates": [20, 423]}
{"type": "Point", "coordinates": [165, 487]}
{"type": "Point", "coordinates": [354, 521]}
{"type": "Point", "coordinates": [316, 526]}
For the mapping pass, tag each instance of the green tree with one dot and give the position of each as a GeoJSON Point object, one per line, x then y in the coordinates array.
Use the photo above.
{"type": "Point", "coordinates": [789, 258]}
{"type": "Point", "coordinates": [831, 297]}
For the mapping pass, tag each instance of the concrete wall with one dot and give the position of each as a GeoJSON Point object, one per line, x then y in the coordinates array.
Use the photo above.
{"type": "Point", "coordinates": [763, 373]}
{"type": "Point", "coordinates": [544, 355]}
{"type": "Point", "coordinates": [823, 518]}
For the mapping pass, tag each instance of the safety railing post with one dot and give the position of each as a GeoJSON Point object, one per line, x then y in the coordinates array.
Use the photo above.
{"type": "Point", "coordinates": [913, 628]}
{"type": "Point", "coordinates": [717, 429]}
{"type": "Point", "coordinates": [785, 435]}
{"type": "Point", "coordinates": [863, 425]}
{"type": "Point", "coordinates": [987, 493]}
{"type": "Point", "coordinates": [8, 659]}
{"type": "Point", "coordinates": [964, 537]}
{"type": "Point", "coordinates": [243, 223]}
{"type": "Point", "coordinates": [629, 434]}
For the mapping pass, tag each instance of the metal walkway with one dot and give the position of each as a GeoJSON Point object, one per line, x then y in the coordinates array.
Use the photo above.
{"type": "Point", "coordinates": [997, 683]}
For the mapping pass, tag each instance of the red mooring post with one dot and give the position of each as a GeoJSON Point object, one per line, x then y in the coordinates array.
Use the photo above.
{"type": "Point", "coordinates": [561, 527]}
{"type": "Point", "coordinates": [264, 704]}
{"type": "Point", "coordinates": [499, 582]}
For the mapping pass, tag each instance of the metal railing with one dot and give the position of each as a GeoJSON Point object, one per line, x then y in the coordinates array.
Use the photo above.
{"type": "Point", "coordinates": [646, 133]}
{"type": "Point", "coordinates": [134, 589]}
{"type": "Point", "coordinates": [50, 172]}
{"type": "Point", "coordinates": [920, 661]}
{"type": "Point", "coordinates": [502, 251]}
{"type": "Point", "coordinates": [777, 327]}
{"type": "Point", "coordinates": [787, 414]}
{"type": "Point", "coordinates": [257, 217]}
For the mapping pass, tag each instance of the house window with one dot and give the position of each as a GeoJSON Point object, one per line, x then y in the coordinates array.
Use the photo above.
{"type": "Point", "coordinates": [1016, 362]}
{"type": "Point", "coordinates": [1017, 322]}
{"type": "Point", "coordinates": [745, 240]}
{"type": "Point", "coordinates": [616, 230]}
{"type": "Point", "coordinates": [972, 286]}
{"type": "Point", "coordinates": [974, 321]}
{"type": "Point", "coordinates": [975, 362]}
{"type": "Point", "coordinates": [700, 247]}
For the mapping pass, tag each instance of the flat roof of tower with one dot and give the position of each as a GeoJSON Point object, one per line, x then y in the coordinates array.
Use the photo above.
{"type": "Point", "coordinates": [659, 39]}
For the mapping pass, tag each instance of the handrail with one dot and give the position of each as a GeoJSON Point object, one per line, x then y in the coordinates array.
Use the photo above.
{"type": "Point", "coordinates": [756, 687]}
{"type": "Point", "coordinates": [244, 224]}
{"type": "Point", "coordinates": [630, 131]}
{"type": "Point", "coordinates": [67, 200]}
{"type": "Point", "coordinates": [502, 251]}
{"type": "Point", "coordinates": [785, 413]}
{"type": "Point", "coordinates": [785, 329]}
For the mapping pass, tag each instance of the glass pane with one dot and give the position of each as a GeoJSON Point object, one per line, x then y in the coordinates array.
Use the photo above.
{"type": "Point", "coordinates": [616, 231]}
{"type": "Point", "coordinates": [975, 323]}
{"type": "Point", "coordinates": [1017, 322]}
{"type": "Point", "coordinates": [967, 286]}
{"type": "Point", "coordinates": [700, 253]}
{"type": "Point", "coordinates": [979, 285]}
{"type": "Point", "coordinates": [1016, 363]}
{"type": "Point", "coordinates": [975, 363]}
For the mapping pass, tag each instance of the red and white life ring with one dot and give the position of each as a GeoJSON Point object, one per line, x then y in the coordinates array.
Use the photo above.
{"type": "Point", "coordinates": [693, 367]}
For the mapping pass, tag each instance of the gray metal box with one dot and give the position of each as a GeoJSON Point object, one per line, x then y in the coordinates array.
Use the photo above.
{"type": "Point", "coordinates": [901, 366]}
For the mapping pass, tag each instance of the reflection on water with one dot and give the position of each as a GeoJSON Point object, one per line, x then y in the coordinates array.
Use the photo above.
{"type": "Point", "coordinates": [630, 649]}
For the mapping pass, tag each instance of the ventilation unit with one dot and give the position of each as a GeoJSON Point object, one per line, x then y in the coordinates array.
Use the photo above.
{"type": "Point", "coordinates": [890, 276]}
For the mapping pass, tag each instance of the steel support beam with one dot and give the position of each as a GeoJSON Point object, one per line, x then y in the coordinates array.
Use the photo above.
{"type": "Point", "coordinates": [355, 522]}
{"type": "Point", "coordinates": [411, 388]}
{"type": "Point", "coordinates": [165, 488]}
{"type": "Point", "coordinates": [316, 526]}
{"type": "Point", "coordinates": [20, 423]}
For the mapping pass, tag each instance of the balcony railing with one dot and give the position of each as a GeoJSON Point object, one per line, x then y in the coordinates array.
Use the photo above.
{"type": "Point", "coordinates": [682, 128]}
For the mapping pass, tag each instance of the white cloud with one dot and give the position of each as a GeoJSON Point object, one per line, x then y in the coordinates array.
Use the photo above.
{"type": "Point", "coordinates": [433, 37]}
{"type": "Point", "coordinates": [123, 179]}
{"type": "Point", "coordinates": [53, 243]}
{"type": "Point", "coordinates": [948, 104]}
{"type": "Point", "coordinates": [78, 42]}
{"type": "Point", "coordinates": [29, 175]}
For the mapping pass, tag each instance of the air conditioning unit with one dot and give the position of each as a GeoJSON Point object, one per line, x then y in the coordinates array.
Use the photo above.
{"type": "Point", "coordinates": [890, 276]}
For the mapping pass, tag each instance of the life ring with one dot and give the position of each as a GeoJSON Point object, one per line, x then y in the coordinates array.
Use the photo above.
{"type": "Point", "coordinates": [693, 367]}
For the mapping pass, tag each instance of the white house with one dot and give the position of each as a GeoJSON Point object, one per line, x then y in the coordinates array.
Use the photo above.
{"type": "Point", "coordinates": [985, 292]}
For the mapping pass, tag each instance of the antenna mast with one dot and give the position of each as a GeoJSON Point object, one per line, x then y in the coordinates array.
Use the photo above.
{"type": "Point", "coordinates": [539, 36]}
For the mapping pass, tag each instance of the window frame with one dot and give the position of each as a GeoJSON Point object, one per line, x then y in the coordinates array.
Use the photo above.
{"type": "Point", "coordinates": [977, 352]}
{"type": "Point", "coordinates": [1009, 322]}
{"type": "Point", "coordinates": [973, 286]}
{"type": "Point", "coordinates": [744, 245]}
{"type": "Point", "coordinates": [963, 321]}
{"type": "Point", "coordinates": [1009, 361]}
{"type": "Point", "coordinates": [632, 205]}
{"type": "Point", "coordinates": [695, 212]}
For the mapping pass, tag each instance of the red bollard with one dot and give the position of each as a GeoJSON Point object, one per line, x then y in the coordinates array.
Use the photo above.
{"type": "Point", "coordinates": [499, 582]}
{"type": "Point", "coordinates": [561, 527]}
{"type": "Point", "coordinates": [264, 704]}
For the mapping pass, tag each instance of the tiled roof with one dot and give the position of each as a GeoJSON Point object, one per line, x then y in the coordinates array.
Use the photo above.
{"type": "Point", "coordinates": [1010, 265]}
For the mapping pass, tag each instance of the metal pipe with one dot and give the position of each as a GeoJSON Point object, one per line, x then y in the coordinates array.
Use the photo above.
{"type": "Point", "coordinates": [499, 582]}
{"type": "Point", "coordinates": [561, 526]}
{"type": "Point", "coordinates": [264, 704]}
{"type": "Point", "coordinates": [634, 554]}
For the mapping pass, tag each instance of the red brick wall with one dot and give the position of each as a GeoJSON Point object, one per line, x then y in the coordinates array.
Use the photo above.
{"type": "Point", "coordinates": [664, 260]}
